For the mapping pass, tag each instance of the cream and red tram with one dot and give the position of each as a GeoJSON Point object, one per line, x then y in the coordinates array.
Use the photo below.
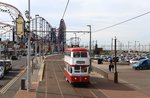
{"type": "Point", "coordinates": [77, 65]}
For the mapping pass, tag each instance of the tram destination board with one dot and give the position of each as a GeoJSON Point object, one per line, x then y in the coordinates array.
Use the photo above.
{"type": "Point", "coordinates": [80, 62]}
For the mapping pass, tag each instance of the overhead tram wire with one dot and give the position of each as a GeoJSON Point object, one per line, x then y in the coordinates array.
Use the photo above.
{"type": "Point", "coordinates": [118, 23]}
{"type": "Point", "coordinates": [122, 22]}
{"type": "Point", "coordinates": [64, 15]}
{"type": "Point", "coordinates": [65, 9]}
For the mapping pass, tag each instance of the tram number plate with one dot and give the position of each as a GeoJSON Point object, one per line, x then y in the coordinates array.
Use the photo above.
{"type": "Point", "coordinates": [80, 62]}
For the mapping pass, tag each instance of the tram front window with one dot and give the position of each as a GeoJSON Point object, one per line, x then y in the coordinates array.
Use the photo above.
{"type": "Point", "coordinates": [76, 54]}
{"type": "Point", "coordinates": [83, 69]}
{"type": "Point", "coordinates": [80, 69]}
{"type": "Point", "coordinates": [83, 54]}
{"type": "Point", "coordinates": [80, 54]}
{"type": "Point", "coordinates": [77, 69]}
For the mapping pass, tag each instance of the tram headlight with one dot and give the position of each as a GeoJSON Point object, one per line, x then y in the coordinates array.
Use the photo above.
{"type": "Point", "coordinates": [75, 78]}
{"type": "Point", "coordinates": [85, 78]}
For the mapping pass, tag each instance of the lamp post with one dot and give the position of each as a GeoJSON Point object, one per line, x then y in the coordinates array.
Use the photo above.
{"type": "Point", "coordinates": [112, 44]}
{"type": "Point", "coordinates": [90, 43]}
{"type": "Point", "coordinates": [129, 46]}
{"type": "Point", "coordinates": [115, 63]}
{"type": "Point", "coordinates": [27, 13]}
{"type": "Point", "coordinates": [0, 47]}
{"type": "Point", "coordinates": [139, 47]}
{"type": "Point", "coordinates": [135, 45]}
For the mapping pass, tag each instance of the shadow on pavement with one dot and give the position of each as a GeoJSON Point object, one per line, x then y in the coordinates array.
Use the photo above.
{"type": "Point", "coordinates": [101, 83]}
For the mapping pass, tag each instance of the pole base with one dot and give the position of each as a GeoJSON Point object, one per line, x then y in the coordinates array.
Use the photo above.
{"type": "Point", "coordinates": [116, 77]}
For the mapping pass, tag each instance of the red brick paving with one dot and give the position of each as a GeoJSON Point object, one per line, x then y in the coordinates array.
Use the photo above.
{"type": "Point", "coordinates": [111, 92]}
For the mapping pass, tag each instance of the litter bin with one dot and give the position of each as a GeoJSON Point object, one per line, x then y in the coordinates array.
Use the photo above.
{"type": "Point", "coordinates": [23, 80]}
{"type": "Point", "coordinates": [100, 61]}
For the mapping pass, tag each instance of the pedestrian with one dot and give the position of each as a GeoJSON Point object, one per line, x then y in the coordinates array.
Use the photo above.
{"type": "Point", "coordinates": [111, 66]}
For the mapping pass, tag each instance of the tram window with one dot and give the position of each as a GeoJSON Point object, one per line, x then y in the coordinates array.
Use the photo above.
{"type": "Point", "coordinates": [65, 53]}
{"type": "Point", "coordinates": [83, 54]}
{"type": "Point", "coordinates": [70, 69]}
{"type": "Point", "coordinates": [65, 67]}
{"type": "Point", "coordinates": [83, 69]}
{"type": "Point", "coordinates": [76, 54]}
{"type": "Point", "coordinates": [68, 53]}
{"type": "Point", "coordinates": [77, 69]}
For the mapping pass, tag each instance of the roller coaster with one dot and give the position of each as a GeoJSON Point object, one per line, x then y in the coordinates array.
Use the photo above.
{"type": "Point", "coordinates": [40, 29]}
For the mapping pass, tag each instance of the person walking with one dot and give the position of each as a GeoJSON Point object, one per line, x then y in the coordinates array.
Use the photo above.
{"type": "Point", "coordinates": [111, 66]}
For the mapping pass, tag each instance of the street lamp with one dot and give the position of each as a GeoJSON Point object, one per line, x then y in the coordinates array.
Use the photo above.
{"type": "Point", "coordinates": [115, 63]}
{"type": "Point", "coordinates": [129, 46]}
{"type": "Point", "coordinates": [112, 44]}
{"type": "Point", "coordinates": [90, 43]}
{"type": "Point", "coordinates": [27, 13]}
{"type": "Point", "coordinates": [135, 45]}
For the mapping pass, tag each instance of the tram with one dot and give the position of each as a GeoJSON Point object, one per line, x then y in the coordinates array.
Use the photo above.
{"type": "Point", "coordinates": [77, 65]}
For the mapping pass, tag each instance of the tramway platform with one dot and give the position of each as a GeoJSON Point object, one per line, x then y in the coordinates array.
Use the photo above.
{"type": "Point", "coordinates": [54, 84]}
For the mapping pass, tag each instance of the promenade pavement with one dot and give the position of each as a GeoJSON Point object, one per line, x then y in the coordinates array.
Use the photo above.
{"type": "Point", "coordinates": [122, 89]}
{"type": "Point", "coordinates": [36, 66]}
{"type": "Point", "coordinates": [108, 87]}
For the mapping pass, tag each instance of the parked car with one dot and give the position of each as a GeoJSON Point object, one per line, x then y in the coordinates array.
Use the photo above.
{"type": "Point", "coordinates": [132, 61]}
{"type": "Point", "coordinates": [142, 64]}
{"type": "Point", "coordinates": [116, 58]}
{"type": "Point", "coordinates": [14, 57]}
{"type": "Point", "coordinates": [6, 64]}
{"type": "Point", "coordinates": [96, 57]}
{"type": "Point", "coordinates": [1, 72]}
{"type": "Point", "coordinates": [24, 54]}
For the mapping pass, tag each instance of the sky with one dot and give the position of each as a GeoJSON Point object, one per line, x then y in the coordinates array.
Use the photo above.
{"type": "Point", "coordinates": [97, 13]}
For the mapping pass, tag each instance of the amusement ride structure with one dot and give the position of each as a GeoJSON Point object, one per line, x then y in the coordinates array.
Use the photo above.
{"type": "Point", "coordinates": [51, 39]}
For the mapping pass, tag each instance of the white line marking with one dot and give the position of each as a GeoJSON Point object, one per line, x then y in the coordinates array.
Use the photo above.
{"type": "Point", "coordinates": [93, 94]}
{"type": "Point", "coordinates": [58, 83]}
{"type": "Point", "coordinates": [46, 82]}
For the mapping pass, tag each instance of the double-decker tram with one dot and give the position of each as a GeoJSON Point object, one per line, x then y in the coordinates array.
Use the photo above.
{"type": "Point", "coordinates": [77, 64]}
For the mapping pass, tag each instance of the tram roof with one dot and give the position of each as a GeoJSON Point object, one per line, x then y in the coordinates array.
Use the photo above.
{"type": "Point", "coordinates": [76, 49]}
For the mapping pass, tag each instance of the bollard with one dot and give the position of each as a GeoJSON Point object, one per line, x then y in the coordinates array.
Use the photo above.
{"type": "Point", "coordinates": [23, 83]}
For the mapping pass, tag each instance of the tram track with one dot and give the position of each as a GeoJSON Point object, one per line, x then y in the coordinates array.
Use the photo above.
{"type": "Point", "coordinates": [46, 81]}
{"type": "Point", "coordinates": [93, 94]}
{"type": "Point", "coordinates": [54, 76]}
{"type": "Point", "coordinates": [62, 96]}
{"type": "Point", "coordinates": [79, 90]}
{"type": "Point", "coordinates": [92, 91]}
{"type": "Point", "coordinates": [61, 89]}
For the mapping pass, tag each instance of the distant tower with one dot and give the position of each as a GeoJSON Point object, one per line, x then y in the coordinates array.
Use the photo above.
{"type": "Point", "coordinates": [61, 35]}
{"type": "Point", "coordinates": [53, 40]}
